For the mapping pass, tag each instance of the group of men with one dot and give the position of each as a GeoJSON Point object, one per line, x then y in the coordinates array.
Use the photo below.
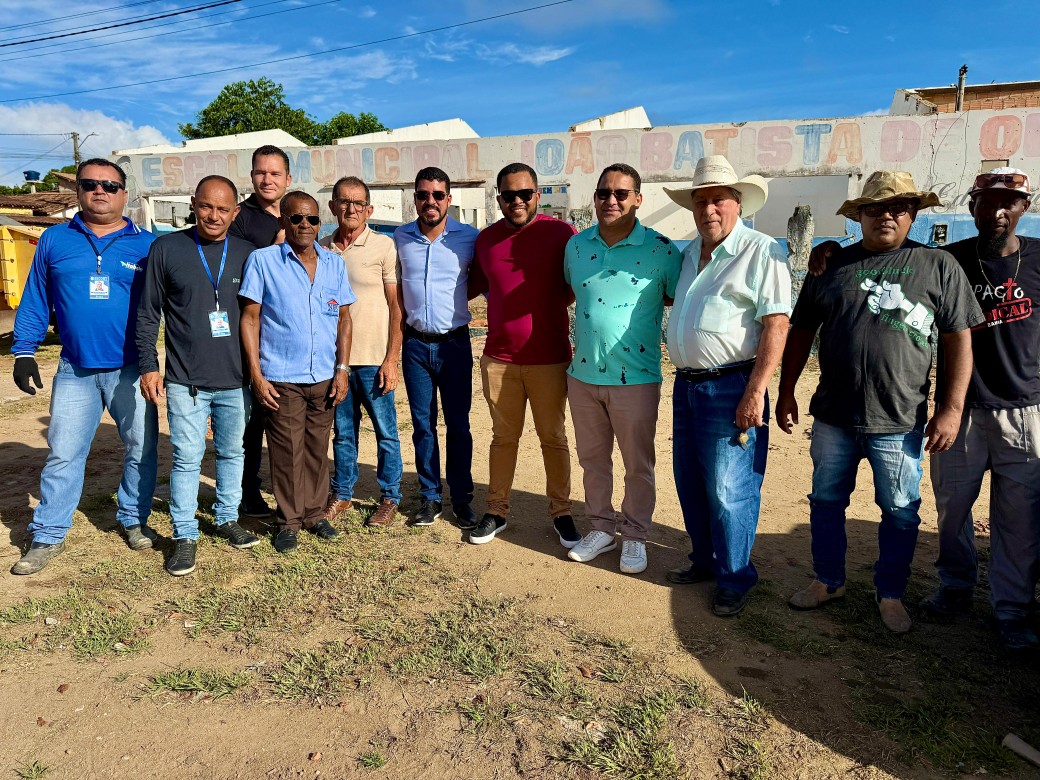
{"type": "Point", "coordinates": [270, 330]}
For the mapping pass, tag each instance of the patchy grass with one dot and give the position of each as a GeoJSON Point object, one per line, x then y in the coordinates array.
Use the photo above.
{"type": "Point", "coordinates": [487, 717]}
{"type": "Point", "coordinates": [321, 674]}
{"type": "Point", "coordinates": [32, 771]}
{"type": "Point", "coordinates": [215, 683]}
{"type": "Point", "coordinates": [373, 759]}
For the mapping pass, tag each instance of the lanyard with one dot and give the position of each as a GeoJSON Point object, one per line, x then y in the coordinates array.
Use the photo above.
{"type": "Point", "coordinates": [96, 252]}
{"type": "Point", "coordinates": [205, 266]}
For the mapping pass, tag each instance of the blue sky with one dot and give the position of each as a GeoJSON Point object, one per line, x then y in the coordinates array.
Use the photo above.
{"type": "Point", "coordinates": [541, 71]}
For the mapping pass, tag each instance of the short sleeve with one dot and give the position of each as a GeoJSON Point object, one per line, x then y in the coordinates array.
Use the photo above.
{"type": "Point", "coordinates": [958, 310]}
{"type": "Point", "coordinates": [807, 314]}
{"type": "Point", "coordinates": [674, 268]}
{"type": "Point", "coordinates": [774, 282]}
{"type": "Point", "coordinates": [253, 279]}
{"type": "Point", "coordinates": [346, 292]}
{"type": "Point", "coordinates": [391, 265]}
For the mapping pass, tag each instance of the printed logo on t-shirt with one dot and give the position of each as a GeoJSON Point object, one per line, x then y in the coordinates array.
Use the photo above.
{"type": "Point", "coordinates": [1007, 302]}
{"type": "Point", "coordinates": [332, 307]}
{"type": "Point", "coordinates": [885, 297]}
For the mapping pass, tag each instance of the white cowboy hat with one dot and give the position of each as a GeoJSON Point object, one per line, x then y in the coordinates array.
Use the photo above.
{"type": "Point", "coordinates": [716, 171]}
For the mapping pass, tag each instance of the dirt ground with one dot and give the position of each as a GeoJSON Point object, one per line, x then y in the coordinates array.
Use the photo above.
{"type": "Point", "coordinates": [836, 697]}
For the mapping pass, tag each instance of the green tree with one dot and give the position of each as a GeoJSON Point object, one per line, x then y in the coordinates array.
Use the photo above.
{"type": "Point", "coordinates": [248, 106]}
{"type": "Point", "coordinates": [49, 183]}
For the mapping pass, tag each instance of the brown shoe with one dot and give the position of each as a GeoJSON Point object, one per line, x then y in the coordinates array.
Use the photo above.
{"type": "Point", "coordinates": [335, 507]}
{"type": "Point", "coordinates": [816, 595]}
{"type": "Point", "coordinates": [384, 516]}
{"type": "Point", "coordinates": [894, 615]}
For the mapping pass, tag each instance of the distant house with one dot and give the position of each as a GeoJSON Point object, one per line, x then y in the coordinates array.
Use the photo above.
{"type": "Point", "coordinates": [40, 209]}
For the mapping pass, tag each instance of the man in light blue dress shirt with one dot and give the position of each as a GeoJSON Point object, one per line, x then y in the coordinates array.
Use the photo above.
{"type": "Point", "coordinates": [436, 252]}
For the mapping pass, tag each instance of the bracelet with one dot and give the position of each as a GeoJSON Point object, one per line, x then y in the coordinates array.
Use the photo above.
{"type": "Point", "coordinates": [343, 367]}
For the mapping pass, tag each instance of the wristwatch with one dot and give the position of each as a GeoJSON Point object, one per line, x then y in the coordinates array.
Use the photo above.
{"type": "Point", "coordinates": [343, 367]}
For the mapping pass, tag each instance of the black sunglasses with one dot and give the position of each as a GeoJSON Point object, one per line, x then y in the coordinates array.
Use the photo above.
{"type": "Point", "coordinates": [620, 195]}
{"type": "Point", "coordinates": [312, 219]}
{"type": "Point", "coordinates": [875, 210]}
{"type": "Point", "coordinates": [508, 196]}
{"type": "Point", "coordinates": [424, 195]}
{"type": "Point", "coordinates": [89, 185]}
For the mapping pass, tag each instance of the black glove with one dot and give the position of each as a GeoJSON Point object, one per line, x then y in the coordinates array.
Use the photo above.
{"type": "Point", "coordinates": [25, 368]}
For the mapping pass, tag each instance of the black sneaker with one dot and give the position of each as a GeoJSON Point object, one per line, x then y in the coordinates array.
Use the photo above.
{"type": "Point", "coordinates": [429, 511]}
{"type": "Point", "coordinates": [728, 603]}
{"type": "Point", "coordinates": [239, 537]}
{"type": "Point", "coordinates": [324, 530]}
{"type": "Point", "coordinates": [254, 506]}
{"type": "Point", "coordinates": [1016, 636]}
{"type": "Point", "coordinates": [487, 529]}
{"type": "Point", "coordinates": [946, 604]}
{"type": "Point", "coordinates": [285, 541]}
{"type": "Point", "coordinates": [689, 575]}
{"type": "Point", "coordinates": [140, 537]}
{"type": "Point", "coordinates": [183, 559]}
{"type": "Point", "coordinates": [564, 525]}
{"type": "Point", "coordinates": [464, 517]}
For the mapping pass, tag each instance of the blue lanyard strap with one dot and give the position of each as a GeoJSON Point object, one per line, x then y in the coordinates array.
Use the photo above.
{"type": "Point", "coordinates": [205, 265]}
{"type": "Point", "coordinates": [96, 252]}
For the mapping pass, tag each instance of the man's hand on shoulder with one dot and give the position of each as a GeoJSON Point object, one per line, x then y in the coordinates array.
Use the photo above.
{"type": "Point", "coordinates": [786, 413]}
{"type": "Point", "coordinates": [819, 256]}
{"type": "Point", "coordinates": [26, 368]}
{"type": "Point", "coordinates": [152, 387]}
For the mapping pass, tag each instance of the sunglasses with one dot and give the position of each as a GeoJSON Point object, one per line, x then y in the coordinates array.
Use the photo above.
{"type": "Point", "coordinates": [312, 219]}
{"type": "Point", "coordinates": [875, 210]}
{"type": "Point", "coordinates": [1012, 181]}
{"type": "Point", "coordinates": [424, 195]}
{"type": "Point", "coordinates": [89, 185]}
{"type": "Point", "coordinates": [619, 195]}
{"type": "Point", "coordinates": [508, 196]}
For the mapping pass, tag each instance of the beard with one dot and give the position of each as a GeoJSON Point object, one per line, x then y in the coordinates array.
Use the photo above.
{"type": "Point", "coordinates": [993, 245]}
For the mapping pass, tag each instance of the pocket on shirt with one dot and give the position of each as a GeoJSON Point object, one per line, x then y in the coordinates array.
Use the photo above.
{"type": "Point", "coordinates": [330, 301]}
{"type": "Point", "coordinates": [715, 314]}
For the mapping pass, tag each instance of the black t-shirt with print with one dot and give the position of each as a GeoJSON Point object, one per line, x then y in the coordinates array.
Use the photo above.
{"type": "Point", "coordinates": [1006, 347]}
{"type": "Point", "coordinates": [879, 316]}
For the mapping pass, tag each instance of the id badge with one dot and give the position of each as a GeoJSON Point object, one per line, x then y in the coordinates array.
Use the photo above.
{"type": "Point", "coordinates": [99, 287]}
{"type": "Point", "coordinates": [218, 324]}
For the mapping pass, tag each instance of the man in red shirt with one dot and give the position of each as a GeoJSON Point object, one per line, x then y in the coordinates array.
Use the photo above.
{"type": "Point", "coordinates": [518, 265]}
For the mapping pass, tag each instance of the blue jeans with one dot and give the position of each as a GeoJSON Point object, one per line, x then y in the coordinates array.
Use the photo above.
{"type": "Point", "coordinates": [365, 393]}
{"type": "Point", "coordinates": [447, 368]}
{"type": "Point", "coordinates": [78, 398]}
{"type": "Point", "coordinates": [719, 482]}
{"type": "Point", "coordinates": [188, 416]}
{"type": "Point", "coordinates": [895, 460]}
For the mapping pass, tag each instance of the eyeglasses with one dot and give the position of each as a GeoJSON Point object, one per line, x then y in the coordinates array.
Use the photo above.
{"type": "Point", "coordinates": [111, 187]}
{"type": "Point", "coordinates": [312, 219]}
{"type": "Point", "coordinates": [347, 205]}
{"type": "Point", "coordinates": [508, 196]}
{"type": "Point", "coordinates": [619, 195]}
{"type": "Point", "coordinates": [1012, 181]}
{"type": "Point", "coordinates": [898, 209]}
{"type": "Point", "coordinates": [424, 195]}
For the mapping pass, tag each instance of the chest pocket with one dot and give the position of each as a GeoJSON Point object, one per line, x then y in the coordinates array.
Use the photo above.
{"type": "Point", "coordinates": [329, 302]}
{"type": "Point", "coordinates": [715, 315]}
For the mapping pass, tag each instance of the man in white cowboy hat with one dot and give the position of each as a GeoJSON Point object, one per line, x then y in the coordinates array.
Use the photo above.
{"type": "Point", "coordinates": [725, 336]}
{"type": "Point", "coordinates": [878, 307]}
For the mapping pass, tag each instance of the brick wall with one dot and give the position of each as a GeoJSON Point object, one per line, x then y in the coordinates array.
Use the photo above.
{"type": "Point", "coordinates": [993, 100]}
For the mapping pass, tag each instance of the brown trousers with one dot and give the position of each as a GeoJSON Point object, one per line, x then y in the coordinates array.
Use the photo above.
{"type": "Point", "coordinates": [298, 446]}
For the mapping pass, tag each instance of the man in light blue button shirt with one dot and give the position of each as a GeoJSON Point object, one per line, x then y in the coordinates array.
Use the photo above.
{"type": "Point", "coordinates": [296, 338]}
{"type": "Point", "coordinates": [436, 252]}
{"type": "Point", "coordinates": [726, 335]}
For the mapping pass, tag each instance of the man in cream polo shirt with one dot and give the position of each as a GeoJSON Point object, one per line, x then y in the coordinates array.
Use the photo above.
{"type": "Point", "coordinates": [726, 336]}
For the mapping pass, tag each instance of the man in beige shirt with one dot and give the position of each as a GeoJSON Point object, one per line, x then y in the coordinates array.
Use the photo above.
{"type": "Point", "coordinates": [374, 273]}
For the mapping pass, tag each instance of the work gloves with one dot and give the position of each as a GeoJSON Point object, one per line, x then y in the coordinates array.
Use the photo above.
{"type": "Point", "coordinates": [25, 368]}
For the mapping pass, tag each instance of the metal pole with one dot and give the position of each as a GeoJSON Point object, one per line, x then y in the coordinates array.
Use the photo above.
{"type": "Point", "coordinates": [959, 100]}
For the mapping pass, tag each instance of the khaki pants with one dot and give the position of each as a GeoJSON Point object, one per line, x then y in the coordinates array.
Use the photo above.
{"type": "Point", "coordinates": [508, 388]}
{"type": "Point", "coordinates": [628, 413]}
{"type": "Point", "coordinates": [298, 445]}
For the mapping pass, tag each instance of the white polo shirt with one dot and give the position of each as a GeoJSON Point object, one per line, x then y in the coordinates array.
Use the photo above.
{"type": "Point", "coordinates": [717, 316]}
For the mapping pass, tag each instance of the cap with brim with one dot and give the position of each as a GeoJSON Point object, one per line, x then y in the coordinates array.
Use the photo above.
{"type": "Point", "coordinates": [884, 186]}
{"type": "Point", "coordinates": [716, 171]}
{"type": "Point", "coordinates": [999, 185]}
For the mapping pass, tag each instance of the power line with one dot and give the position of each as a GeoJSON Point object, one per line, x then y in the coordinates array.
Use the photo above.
{"type": "Point", "coordinates": [66, 17]}
{"type": "Point", "coordinates": [37, 134]}
{"type": "Point", "coordinates": [293, 58]}
{"type": "Point", "coordinates": [9, 42]}
{"type": "Point", "coordinates": [41, 157]}
{"type": "Point", "coordinates": [23, 54]}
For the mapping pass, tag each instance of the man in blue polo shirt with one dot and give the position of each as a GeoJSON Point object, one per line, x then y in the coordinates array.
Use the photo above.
{"type": "Point", "coordinates": [436, 252]}
{"type": "Point", "coordinates": [296, 338]}
{"type": "Point", "coordinates": [90, 272]}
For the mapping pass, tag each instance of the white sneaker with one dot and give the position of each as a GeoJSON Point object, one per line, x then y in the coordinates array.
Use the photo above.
{"type": "Point", "coordinates": [594, 543]}
{"type": "Point", "coordinates": [633, 557]}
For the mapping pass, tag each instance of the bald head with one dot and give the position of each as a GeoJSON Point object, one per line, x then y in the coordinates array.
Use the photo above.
{"type": "Point", "coordinates": [215, 204]}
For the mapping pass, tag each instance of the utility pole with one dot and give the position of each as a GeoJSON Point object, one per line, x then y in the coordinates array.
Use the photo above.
{"type": "Point", "coordinates": [75, 147]}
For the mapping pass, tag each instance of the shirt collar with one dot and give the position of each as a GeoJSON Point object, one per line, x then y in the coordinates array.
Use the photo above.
{"type": "Point", "coordinates": [287, 252]}
{"type": "Point", "coordinates": [728, 247]}
{"type": "Point", "coordinates": [635, 238]}
{"type": "Point", "coordinates": [361, 240]}
{"type": "Point", "coordinates": [450, 226]}
{"type": "Point", "coordinates": [129, 228]}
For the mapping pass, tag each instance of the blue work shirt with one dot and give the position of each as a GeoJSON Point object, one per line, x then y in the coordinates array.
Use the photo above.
{"type": "Point", "coordinates": [96, 333]}
{"type": "Point", "coordinates": [434, 275]}
{"type": "Point", "coordinates": [298, 319]}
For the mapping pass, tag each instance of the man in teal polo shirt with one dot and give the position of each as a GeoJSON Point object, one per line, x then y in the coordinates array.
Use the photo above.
{"type": "Point", "coordinates": [623, 275]}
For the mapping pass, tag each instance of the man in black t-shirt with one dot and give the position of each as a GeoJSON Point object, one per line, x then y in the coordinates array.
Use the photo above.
{"type": "Point", "coordinates": [192, 278]}
{"type": "Point", "coordinates": [882, 304]}
{"type": "Point", "coordinates": [1000, 430]}
{"type": "Point", "coordinates": [257, 223]}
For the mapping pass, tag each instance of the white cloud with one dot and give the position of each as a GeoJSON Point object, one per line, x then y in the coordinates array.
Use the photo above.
{"type": "Point", "coordinates": [366, 12]}
{"type": "Point", "coordinates": [108, 133]}
{"type": "Point", "coordinates": [529, 55]}
{"type": "Point", "coordinates": [839, 28]}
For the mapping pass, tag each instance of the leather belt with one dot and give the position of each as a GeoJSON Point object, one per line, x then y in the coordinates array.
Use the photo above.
{"type": "Point", "coordinates": [436, 338]}
{"type": "Point", "coordinates": [694, 375]}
